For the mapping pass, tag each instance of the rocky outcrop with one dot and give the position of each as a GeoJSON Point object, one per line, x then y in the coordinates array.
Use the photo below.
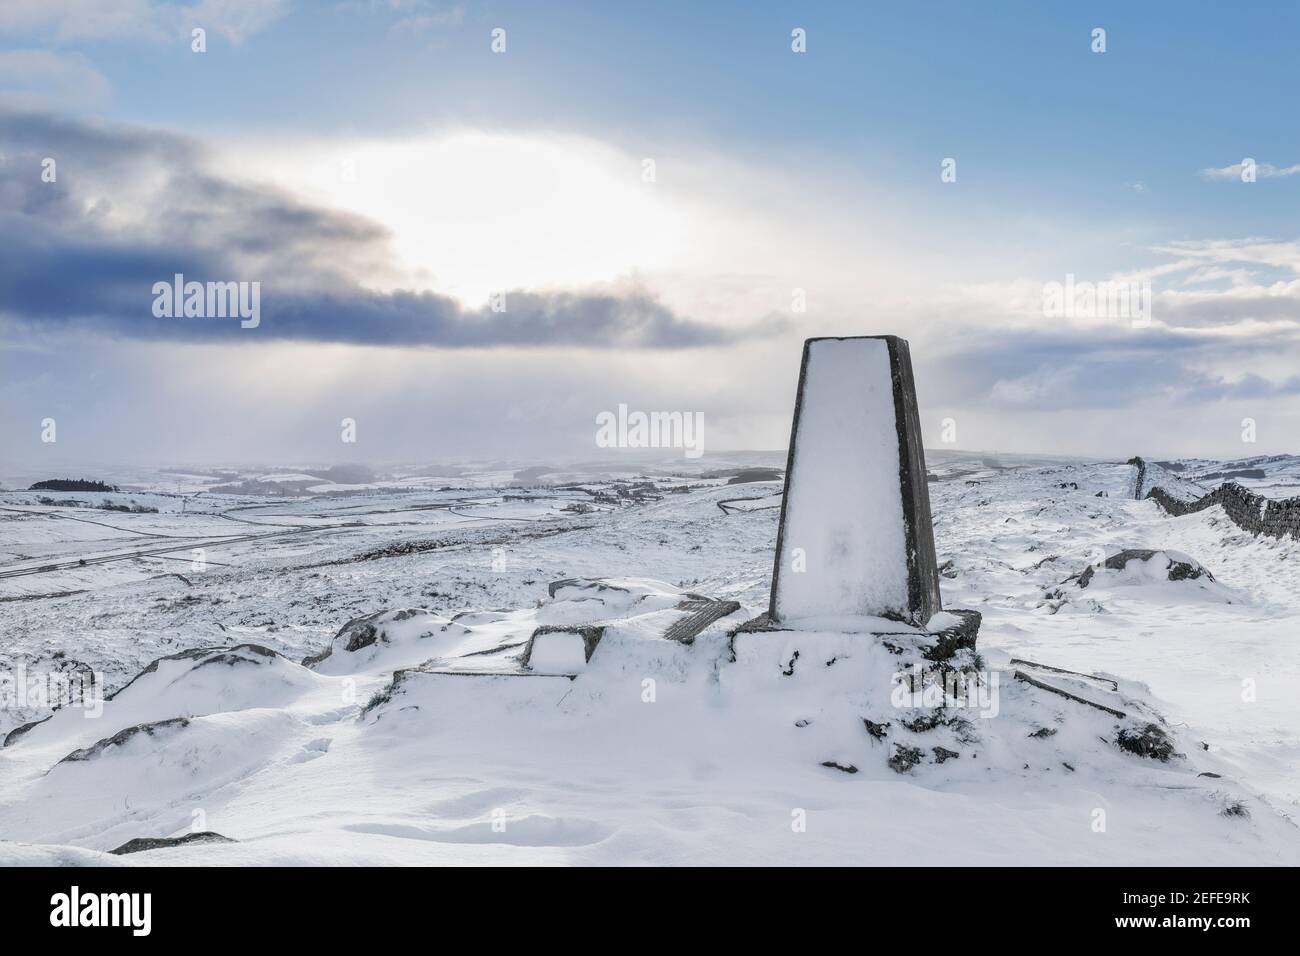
{"type": "Point", "coordinates": [231, 656]}
{"type": "Point", "coordinates": [154, 729]}
{"type": "Point", "coordinates": [140, 844]}
{"type": "Point", "coordinates": [22, 729]}
{"type": "Point", "coordinates": [361, 632]}
{"type": "Point", "coordinates": [1180, 568]}
{"type": "Point", "coordinates": [1149, 740]}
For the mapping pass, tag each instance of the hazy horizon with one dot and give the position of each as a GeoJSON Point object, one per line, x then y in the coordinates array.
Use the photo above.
{"type": "Point", "coordinates": [624, 461]}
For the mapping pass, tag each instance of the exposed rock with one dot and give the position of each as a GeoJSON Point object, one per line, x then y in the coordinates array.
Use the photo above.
{"type": "Point", "coordinates": [231, 656]}
{"type": "Point", "coordinates": [122, 736]}
{"type": "Point", "coordinates": [361, 632]}
{"type": "Point", "coordinates": [140, 844]}
{"type": "Point", "coordinates": [878, 731]}
{"type": "Point", "coordinates": [1181, 568]}
{"type": "Point", "coordinates": [1148, 741]}
{"type": "Point", "coordinates": [235, 654]}
{"type": "Point", "coordinates": [595, 584]}
{"type": "Point", "coordinates": [924, 723]}
{"type": "Point", "coordinates": [22, 729]}
{"type": "Point", "coordinates": [904, 758]}
{"type": "Point", "coordinates": [943, 753]}
{"type": "Point", "coordinates": [845, 768]}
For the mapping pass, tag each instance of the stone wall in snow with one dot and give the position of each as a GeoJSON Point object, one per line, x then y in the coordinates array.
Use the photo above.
{"type": "Point", "coordinates": [1276, 518]}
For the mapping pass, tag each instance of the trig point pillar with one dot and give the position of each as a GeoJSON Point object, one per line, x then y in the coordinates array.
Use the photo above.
{"type": "Point", "coordinates": [856, 538]}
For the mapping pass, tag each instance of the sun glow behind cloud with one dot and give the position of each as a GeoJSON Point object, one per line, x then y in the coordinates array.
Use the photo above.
{"type": "Point", "coordinates": [472, 213]}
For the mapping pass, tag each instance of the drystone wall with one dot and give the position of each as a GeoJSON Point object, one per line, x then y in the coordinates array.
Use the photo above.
{"type": "Point", "coordinates": [1277, 518]}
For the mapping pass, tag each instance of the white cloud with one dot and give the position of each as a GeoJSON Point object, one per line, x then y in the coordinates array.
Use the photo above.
{"type": "Point", "coordinates": [1262, 171]}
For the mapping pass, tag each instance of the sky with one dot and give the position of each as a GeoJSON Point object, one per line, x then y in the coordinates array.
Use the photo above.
{"type": "Point", "coordinates": [473, 252]}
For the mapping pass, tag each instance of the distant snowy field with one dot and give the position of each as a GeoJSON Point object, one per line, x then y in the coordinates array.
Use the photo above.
{"type": "Point", "coordinates": [287, 760]}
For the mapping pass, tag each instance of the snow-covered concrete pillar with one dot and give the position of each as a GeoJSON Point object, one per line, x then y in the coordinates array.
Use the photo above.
{"type": "Point", "coordinates": [856, 539]}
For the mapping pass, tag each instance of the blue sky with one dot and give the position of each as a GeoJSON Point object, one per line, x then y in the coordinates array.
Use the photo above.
{"type": "Point", "coordinates": [1012, 90]}
{"type": "Point", "coordinates": [475, 171]}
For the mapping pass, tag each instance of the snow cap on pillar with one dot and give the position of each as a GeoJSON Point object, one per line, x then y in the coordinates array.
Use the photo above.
{"type": "Point", "coordinates": [856, 538]}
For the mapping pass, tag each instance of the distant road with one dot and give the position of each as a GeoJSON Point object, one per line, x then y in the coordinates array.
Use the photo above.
{"type": "Point", "coordinates": [215, 542]}
{"type": "Point", "coordinates": [51, 513]}
{"type": "Point", "coordinates": [147, 552]}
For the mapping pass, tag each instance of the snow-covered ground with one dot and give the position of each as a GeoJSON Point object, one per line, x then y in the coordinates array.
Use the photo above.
{"type": "Point", "coordinates": [657, 752]}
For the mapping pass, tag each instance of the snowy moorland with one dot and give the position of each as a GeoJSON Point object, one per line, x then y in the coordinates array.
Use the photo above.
{"type": "Point", "coordinates": [1142, 710]}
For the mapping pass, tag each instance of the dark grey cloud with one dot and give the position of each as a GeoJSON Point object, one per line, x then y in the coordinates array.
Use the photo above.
{"type": "Point", "coordinates": [132, 207]}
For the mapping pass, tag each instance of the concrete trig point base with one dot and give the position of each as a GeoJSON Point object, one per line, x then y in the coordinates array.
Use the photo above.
{"type": "Point", "coordinates": [855, 549]}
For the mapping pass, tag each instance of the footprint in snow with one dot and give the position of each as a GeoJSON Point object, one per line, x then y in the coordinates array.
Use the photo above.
{"type": "Point", "coordinates": [310, 751]}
